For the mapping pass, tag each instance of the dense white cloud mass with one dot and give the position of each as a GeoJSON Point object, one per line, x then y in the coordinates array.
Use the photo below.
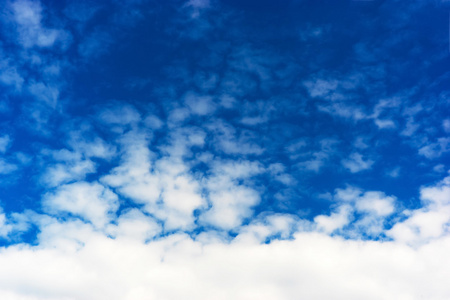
{"type": "Point", "coordinates": [310, 266]}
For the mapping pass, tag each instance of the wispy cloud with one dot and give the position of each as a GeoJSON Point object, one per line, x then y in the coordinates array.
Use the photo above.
{"type": "Point", "coordinates": [356, 163]}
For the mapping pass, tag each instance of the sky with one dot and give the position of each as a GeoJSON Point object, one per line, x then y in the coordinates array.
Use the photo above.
{"type": "Point", "coordinates": [234, 149]}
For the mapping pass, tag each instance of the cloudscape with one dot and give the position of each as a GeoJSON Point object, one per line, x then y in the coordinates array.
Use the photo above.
{"type": "Point", "coordinates": [224, 149]}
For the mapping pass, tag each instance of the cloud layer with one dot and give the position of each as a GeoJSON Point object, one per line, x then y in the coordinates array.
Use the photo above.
{"type": "Point", "coordinates": [224, 150]}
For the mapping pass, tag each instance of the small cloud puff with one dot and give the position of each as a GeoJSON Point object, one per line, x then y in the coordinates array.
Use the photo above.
{"type": "Point", "coordinates": [355, 163]}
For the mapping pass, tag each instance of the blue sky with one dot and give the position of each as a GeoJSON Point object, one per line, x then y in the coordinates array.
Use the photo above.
{"type": "Point", "coordinates": [230, 149]}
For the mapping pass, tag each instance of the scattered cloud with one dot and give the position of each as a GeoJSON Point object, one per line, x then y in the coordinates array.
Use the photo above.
{"type": "Point", "coordinates": [355, 163]}
{"type": "Point", "coordinates": [28, 15]}
{"type": "Point", "coordinates": [436, 149]}
{"type": "Point", "coordinates": [218, 148]}
{"type": "Point", "coordinates": [90, 201]}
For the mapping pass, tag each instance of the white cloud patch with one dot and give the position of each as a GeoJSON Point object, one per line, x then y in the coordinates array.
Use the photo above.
{"type": "Point", "coordinates": [361, 213]}
{"type": "Point", "coordinates": [133, 225]}
{"type": "Point", "coordinates": [7, 167]}
{"type": "Point", "coordinates": [5, 228]}
{"type": "Point", "coordinates": [120, 115]}
{"type": "Point", "coordinates": [321, 87]}
{"type": "Point", "coordinates": [163, 186]}
{"type": "Point", "coordinates": [343, 110]}
{"type": "Point", "coordinates": [278, 172]}
{"type": "Point", "coordinates": [430, 222]}
{"type": "Point", "coordinates": [446, 125]}
{"type": "Point", "coordinates": [336, 220]}
{"type": "Point", "coordinates": [90, 201]}
{"type": "Point", "coordinates": [75, 164]}
{"type": "Point", "coordinates": [436, 149]}
{"type": "Point", "coordinates": [355, 163]}
{"type": "Point", "coordinates": [384, 124]}
{"type": "Point", "coordinates": [68, 171]}
{"type": "Point", "coordinates": [9, 75]}
{"type": "Point", "coordinates": [5, 142]}
{"type": "Point", "coordinates": [46, 93]}
{"type": "Point", "coordinates": [230, 141]}
{"type": "Point", "coordinates": [197, 6]}
{"type": "Point", "coordinates": [200, 105]}
{"type": "Point", "coordinates": [317, 158]}
{"type": "Point", "coordinates": [231, 202]}
{"type": "Point", "coordinates": [31, 31]}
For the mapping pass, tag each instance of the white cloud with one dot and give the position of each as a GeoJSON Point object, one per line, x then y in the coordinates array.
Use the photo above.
{"type": "Point", "coordinates": [5, 142]}
{"type": "Point", "coordinates": [90, 201]}
{"type": "Point", "coordinates": [439, 168]}
{"type": "Point", "coordinates": [120, 115]}
{"type": "Point", "coordinates": [198, 3]}
{"type": "Point", "coordinates": [231, 202]}
{"type": "Point", "coordinates": [435, 150]}
{"type": "Point", "coordinates": [178, 115]}
{"type": "Point", "coordinates": [153, 122]}
{"type": "Point", "coordinates": [5, 228]}
{"type": "Point", "coordinates": [66, 172]}
{"type": "Point", "coordinates": [386, 123]}
{"type": "Point", "coordinates": [410, 128]}
{"type": "Point", "coordinates": [197, 6]}
{"type": "Point", "coordinates": [321, 87]}
{"type": "Point", "coordinates": [132, 178]}
{"type": "Point", "coordinates": [28, 16]}
{"type": "Point", "coordinates": [163, 186]}
{"type": "Point", "coordinates": [227, 101]}
{"type": "Point", "coordinates": [357, 213]}
{"type": "Point", "coordinates": [133, 225]}
{"type": "Point", "coordinates": [343, 110]}
{"type": "Point", "coordinates": [230, 141]}
{"type": "Point", "coordinates": [355, 163]}
{"type": "Point", "coordinates": [7, 167]}
{"type": "Point", "coordinates": [336, 220]}
{"type": "Point", "coordinates": [9, 75]}
{"type": "Point", "coordinates": [361, 143]}
{"type": "Point", "coordinates": [319, 158]}
{"type": "Point", "coordinates": [372, 202]}
{"type": "Point", "coordinates": [271, 226]}
{"type": "Point", "coordinates": [376, 203]}
{"type": "Point", "coordinates": [279, 173]}
{"type": "Point", "coordinates": [181, 195]}
{"type": "Point", "coordinates": [446, 125]}
{"type": "Point", "coordinates": [432, 221]}
{"type": "Point", "coordinates": [200, 105]}
{"type": "Point", "coordinates": [48, 94]}
{"type": "Point", "coordinates": [296, 148]}
{"type": "Point", "coordinates": [70, 165]}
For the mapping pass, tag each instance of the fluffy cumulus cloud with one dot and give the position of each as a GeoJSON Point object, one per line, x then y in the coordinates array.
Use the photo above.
{"type": "Point", "coordinates": [224, 150]}
{"type": "Point", "coordinates": [90, 201]}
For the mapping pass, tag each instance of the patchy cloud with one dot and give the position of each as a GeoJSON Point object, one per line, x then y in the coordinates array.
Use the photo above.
{"type": "Point", "coordinates": [224, 150]}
